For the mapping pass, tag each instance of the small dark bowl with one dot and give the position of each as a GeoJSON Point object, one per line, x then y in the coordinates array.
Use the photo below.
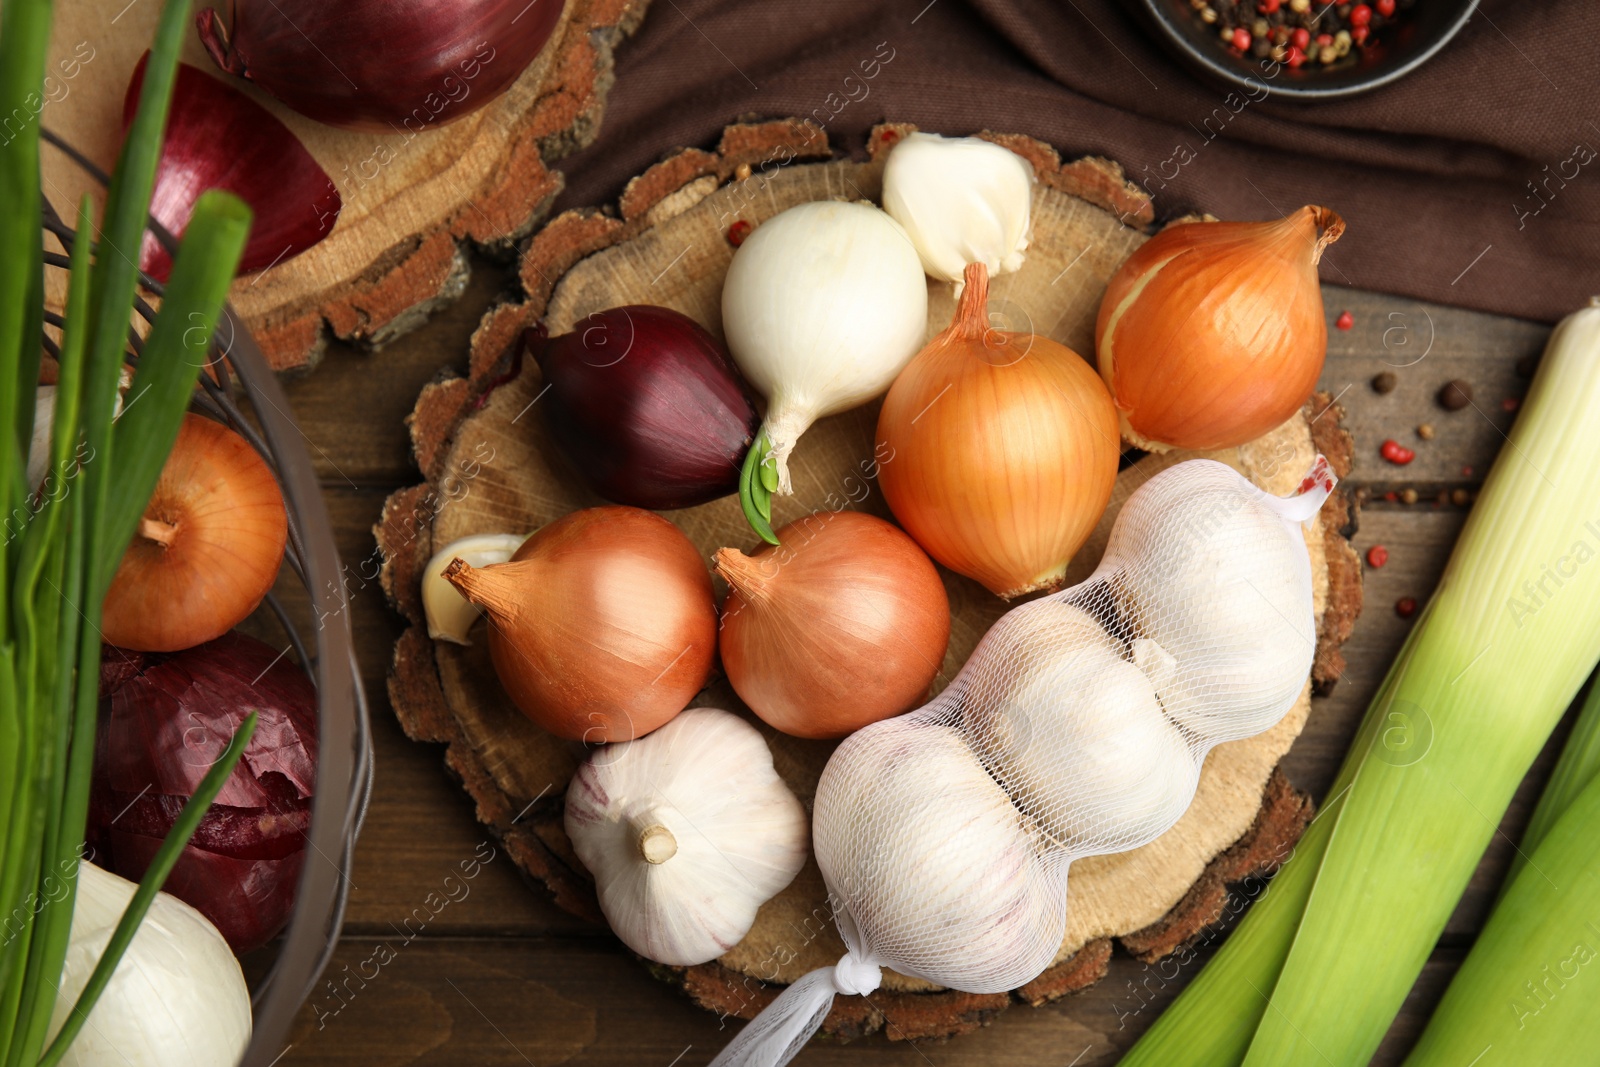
{"type": "Point", "coordinates": [1424, 29]}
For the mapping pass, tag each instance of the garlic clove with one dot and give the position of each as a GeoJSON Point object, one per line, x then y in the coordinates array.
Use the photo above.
{"type": "Point", "coordinates": [687, 831]}
{"type": "Point", "coordinates": [450, 615]}
{"type": "Point", "coordinates": [962, 200]}
{"type": "Point", "coordinates": [931, 865]}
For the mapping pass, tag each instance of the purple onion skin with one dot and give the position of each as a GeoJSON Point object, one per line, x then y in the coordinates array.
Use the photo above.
{"type": "Point", "coordinates": [648, 407]}
{"type": "Point", "coordinates": [392, 66]}
{"type": "Point", "coordinates": [164, 719]}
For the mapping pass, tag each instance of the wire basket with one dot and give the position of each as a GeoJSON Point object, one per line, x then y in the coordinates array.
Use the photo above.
{"type": "Point", "coordinates": [344, 756]}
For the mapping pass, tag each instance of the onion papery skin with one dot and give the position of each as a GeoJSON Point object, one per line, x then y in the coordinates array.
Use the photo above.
{"type": "Point", "coordinates": [602, 626]}
{"type": "Point", "coordinates": [998, 450]}
{"type": "Point", "coordinates": [219, 138]}
{"type": "Point", "coordinates": [391, 66]}
{"type": "Point", "coordinates": [846, 623]}
{"type": "Point", "coordinates": [1212, 333]}
{"type": "Point", "coordinates": [648, 407]}
{"type": "Point", "coordinates": [225, 527]}
{"type": "Point", "coordinates": [164, 719]}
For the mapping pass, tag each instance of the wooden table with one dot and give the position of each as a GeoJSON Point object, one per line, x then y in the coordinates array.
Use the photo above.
{"type": "Point", "coordinates": [449, 958]}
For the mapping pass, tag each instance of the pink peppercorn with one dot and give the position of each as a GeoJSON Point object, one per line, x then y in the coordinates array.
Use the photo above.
{"type": "Point", "coordinates": [1360, 15]}
{"type": "Point", "coordinates": [1241, 39]}
{"type": "Point", "coordinates": [1396, 453]}
{"type": "Point", "coordinates": [1377, 556]}
{"type": "Point", "coordinates": [1345, 320]}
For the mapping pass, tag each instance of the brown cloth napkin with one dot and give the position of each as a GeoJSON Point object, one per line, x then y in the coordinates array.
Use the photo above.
{"type": "Point", "coordinates": [1474, 181]}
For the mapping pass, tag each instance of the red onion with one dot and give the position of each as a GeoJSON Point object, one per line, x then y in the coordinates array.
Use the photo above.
{"type": "Point", "coordinates": [164, 720]}
{"type": "Point", "coordinates": [380, 64]}
{"type": "Point", "coordinates": [219, 138]}
{"type": "Point", "coordinates": [648, 406]}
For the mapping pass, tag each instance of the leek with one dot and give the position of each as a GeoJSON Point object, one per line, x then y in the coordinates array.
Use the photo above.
{"type": "Point", "coordinates": [1320, 966]}
{"type": "Point", "coordinates": [1528, 991]}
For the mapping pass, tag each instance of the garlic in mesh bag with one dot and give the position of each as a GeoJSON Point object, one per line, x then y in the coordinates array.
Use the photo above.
{"type": "Point", "coordinates": [1078, 727]}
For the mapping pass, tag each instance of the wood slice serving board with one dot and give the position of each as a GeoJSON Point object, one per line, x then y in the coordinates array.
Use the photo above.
{"type": "Point", "coordinates": [491, 467]}
{"type": "Point", "coordinates": [412, 201]}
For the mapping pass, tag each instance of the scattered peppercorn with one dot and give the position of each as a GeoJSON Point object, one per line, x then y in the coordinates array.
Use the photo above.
{"type": "Point", "coordinates": [1377, 556]}
{"type": "Point", "coordinates": [1385, 7]}
{"type": "Point", "coordinates": [1509, 403]}
{"type": "Point", "coordinates": [1391, 496]}
{"type": "Point", "coordinates": [1396, 453]}
{"type": "Point", "coordinates": [743, 172]}
{"type": "Point", "coordinates": [1405, 607]}
{"type": "Point", "coordinates": [1527, 366]}
{"type": "Point", "coordinates": [1425, 431]}
{"type": "Point", "coordinates": [1455, 395]}
{"type": "Point", "coordinates": [738, 232]}
{"type": "Point", "coordinates": [1241, 38]}
{"type": "Point", "coordinates": [1345, 320]}
{"type": "Point", "coordinates": [1459, 497]}
{"type": "Point", "coordinates": [1384, 382]}
{"type": "Point", "coordinates": [1466, 472]}
{"type": "Point", "coordinates": [890, 136]}
{"type": "Point", "coordinates": [1408, 496]}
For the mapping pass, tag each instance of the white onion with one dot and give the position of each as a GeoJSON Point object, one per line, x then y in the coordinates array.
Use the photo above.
{"type": "Point", "coordinates": [823, 305]}
{"type": "Point", "coordinates": [177, 997]}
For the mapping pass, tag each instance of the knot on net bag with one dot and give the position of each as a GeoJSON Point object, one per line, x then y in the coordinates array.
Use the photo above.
{"type": "Point", "coordinates": [1078, 727]}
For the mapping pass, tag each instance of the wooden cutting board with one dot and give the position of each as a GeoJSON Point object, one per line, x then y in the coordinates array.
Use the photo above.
{"type": "Point", "coordinates": [490, 467]}
{"type": "Point", "coordinates": [413, 204]}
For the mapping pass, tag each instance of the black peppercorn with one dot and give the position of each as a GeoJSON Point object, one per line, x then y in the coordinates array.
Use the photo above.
{"type": "Point", "coordinates": [1455, 395]}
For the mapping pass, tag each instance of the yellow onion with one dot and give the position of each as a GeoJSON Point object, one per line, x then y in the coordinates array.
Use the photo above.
{"type": "Point", "coordinates": [845, 624]}
{"type": "Point", "coordinates": [999, 450]}
{"type": "Point", "coordinates": [602, 626]}
{"type": "Point", "coordinates": [1212, 333]}
{"type": "Point", "coordinates": [207, 549]}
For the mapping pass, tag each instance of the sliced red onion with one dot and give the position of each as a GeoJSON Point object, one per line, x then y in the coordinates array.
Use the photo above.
{"type": "Point", "coordinates": [377, 64]}
{"type": "Point", "coordinates": [164, 719]}
{"type": "Point", "coordinates": [219, 138]}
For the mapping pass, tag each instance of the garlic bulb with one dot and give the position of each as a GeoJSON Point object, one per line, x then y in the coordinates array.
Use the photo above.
{"type": "Point", "coordinates": [930, 863]}
{"type": "Point", "coordinates": [176, 999]}
{"type": "Point", "coordinates": [823, 305]}
{"type": "Point", "coordinates": [450, 615]}
{"type": "Point", "coordinates": [687, 831]}
{"type": "Point", "coordinates": [1078, 739]}
{"type": "Point", "coordinates": [963, 200]}
{"type": "Point", "coordinates": [1218, 600]}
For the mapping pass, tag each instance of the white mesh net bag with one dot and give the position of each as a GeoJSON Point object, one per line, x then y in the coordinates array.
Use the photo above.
{"type": "Point", "coordinates": [1078, 727]}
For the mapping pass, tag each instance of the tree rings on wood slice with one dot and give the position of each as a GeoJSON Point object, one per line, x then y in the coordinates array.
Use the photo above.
{"type": "Point", "coordinates": [491, 467]}
{"type": "Point", "coordinates": [412, 200]}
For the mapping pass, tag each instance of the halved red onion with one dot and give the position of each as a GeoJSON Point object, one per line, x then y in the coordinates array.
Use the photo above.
{"type": "Point", "coordinates": [219, 138]}
{"type": "Point", "coordinates": [164, 719]}
{"type": "Point", "coordinates": [380, 64]}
